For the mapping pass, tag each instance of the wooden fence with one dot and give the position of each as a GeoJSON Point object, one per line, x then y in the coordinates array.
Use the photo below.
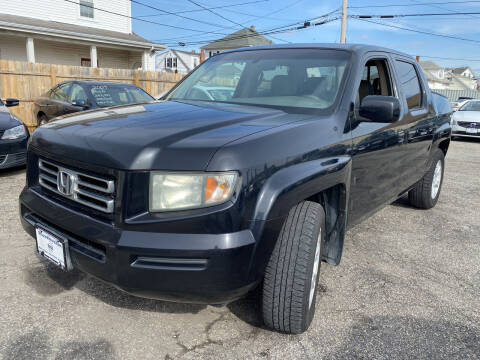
{"type": "Point", "coordinates": [26, 81]}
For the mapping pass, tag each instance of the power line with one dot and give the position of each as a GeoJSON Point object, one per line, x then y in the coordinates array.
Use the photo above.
{"type": "Point", "coordinates": [201, 10]}
{"type": "Point", "coordinates": [418, 31]}
{"type": "Point", "coordinates": [279, 29]}
{"type": "Point", "coordinates": [444, 8]}
{"type": "Point", "coordinates": [269, 14]}
{"type": "Point", "coordinates": [266, 32]}
{"type": "Point", "coordinates": [384, 16]}
{"type": "Point", "coordinates": [173, 14]}
{"type": "Point", "coordinates": [417, 4]}
{"type": "Point", "coordinates": [446, 58]}
{"type": "Point", "coordinates": [274, 12]}
{"type": "Point", "coordinates": [143, 20]}
{"type": "Point", "coordinates": [215, 13]}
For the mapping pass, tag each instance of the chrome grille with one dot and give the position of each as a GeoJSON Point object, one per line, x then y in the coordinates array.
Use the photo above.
{"type": "Point", "coordinates": [469, 124]}
{"type": "Point", "coordinates": [92, 191]}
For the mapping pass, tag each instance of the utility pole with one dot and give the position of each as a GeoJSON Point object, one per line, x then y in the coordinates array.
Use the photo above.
{"type": "Point", "coordinates": [343, 33]}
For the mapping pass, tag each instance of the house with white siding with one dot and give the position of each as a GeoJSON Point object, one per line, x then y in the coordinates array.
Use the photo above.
{"type": "Point", "coordinates": [177, 61]}
{"type": "Point", "coordinates": [440, 78]}
{"type": "Point", "coordinates": [94, 33]}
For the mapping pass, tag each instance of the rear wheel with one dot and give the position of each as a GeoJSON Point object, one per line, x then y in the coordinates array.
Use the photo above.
{"type": "Point", "coordinates": [427, 191]}
{"type": "Point", "coordinates": [291, 277]}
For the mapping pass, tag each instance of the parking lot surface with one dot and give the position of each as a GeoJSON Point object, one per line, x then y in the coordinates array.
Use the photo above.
{"type": "Point", "coordinates": [408, 287]}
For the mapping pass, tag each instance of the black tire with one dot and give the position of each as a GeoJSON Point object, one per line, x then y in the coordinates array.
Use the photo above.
{"type": "Point", "coordinates": [422, 195]}
{"type": "Point", "coordinates": [42, 120]}
{"type": "Point", "coordinates": [286, 303]}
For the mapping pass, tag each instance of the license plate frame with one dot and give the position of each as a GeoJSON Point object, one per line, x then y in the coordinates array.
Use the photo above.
{"type": "Point", "coordinates": [53, 247]}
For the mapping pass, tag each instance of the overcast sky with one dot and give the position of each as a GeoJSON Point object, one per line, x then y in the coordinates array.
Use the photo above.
{"type": "Point", "coordinates": [269, 14]}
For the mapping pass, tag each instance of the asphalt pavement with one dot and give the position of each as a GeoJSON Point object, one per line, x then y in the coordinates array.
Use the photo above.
{"type": "Point", "coordinates": [408, 287]}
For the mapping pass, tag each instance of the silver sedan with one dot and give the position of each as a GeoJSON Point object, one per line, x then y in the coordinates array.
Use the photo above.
{"type": "Point", "coordinates": [466, 121]}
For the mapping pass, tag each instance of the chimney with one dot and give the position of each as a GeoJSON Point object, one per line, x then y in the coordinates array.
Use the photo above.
{"type": "Point", "coordinates": [202, 56]}
{"type": "Point", "coordinates": [417, 58]}
{"type": "Point", "coordinates": [252, 27]}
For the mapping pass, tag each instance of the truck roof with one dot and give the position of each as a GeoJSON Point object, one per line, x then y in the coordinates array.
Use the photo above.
{"type": "Point", "coordinates": [357, 48]}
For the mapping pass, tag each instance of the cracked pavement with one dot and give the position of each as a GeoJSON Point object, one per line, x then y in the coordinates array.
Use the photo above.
{"type": "Point", "coordinates": [408, 287]}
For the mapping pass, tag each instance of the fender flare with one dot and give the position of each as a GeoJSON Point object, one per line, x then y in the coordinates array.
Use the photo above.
{"type": "Point", "coordinates": [288, 186]}
{"type": "Point", "coordinates": [291, 185]}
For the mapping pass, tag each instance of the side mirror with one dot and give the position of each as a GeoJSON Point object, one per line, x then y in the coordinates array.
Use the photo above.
{"type": "Point", "coordinates": [80, 103]}
{"type": "Point", "coordinates": [11, 102]}
{"type": "Point", "coordinates": [377, 108]}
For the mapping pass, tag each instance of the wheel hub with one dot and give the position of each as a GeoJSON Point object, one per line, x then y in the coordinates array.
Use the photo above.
{"type": "Point", "coordinates": [316, 261]}
{"type": "Point", "coordinates": [437, 179]}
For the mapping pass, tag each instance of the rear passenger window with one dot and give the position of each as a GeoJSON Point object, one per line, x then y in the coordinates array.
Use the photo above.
{"type": "Point", "coordinates": [410, 84]}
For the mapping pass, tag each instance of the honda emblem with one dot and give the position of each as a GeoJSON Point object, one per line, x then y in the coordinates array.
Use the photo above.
{"type": "Point", "coordinates": [65, 183]}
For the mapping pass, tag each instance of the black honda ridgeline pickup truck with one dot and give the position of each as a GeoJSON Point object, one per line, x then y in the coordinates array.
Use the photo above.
{"type": "Point", "coordinates": [247, 173]}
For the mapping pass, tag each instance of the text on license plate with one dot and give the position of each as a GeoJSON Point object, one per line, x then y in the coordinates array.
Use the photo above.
{"type": "Point", "coordinates": [51, 247]}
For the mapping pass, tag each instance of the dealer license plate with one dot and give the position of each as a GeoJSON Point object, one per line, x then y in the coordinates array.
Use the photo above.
{"type": "Point", "coordinates": [52, 248]}
{"type": "Point", "coordinates": [472, 131]}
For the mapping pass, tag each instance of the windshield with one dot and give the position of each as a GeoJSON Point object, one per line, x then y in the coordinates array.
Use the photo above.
{"type": "Point", "coordinates": [471, 106]}
{"type": "Point", "coordinates": [111, 95]}
{"type": "Point", "coordinates": [281, 78]}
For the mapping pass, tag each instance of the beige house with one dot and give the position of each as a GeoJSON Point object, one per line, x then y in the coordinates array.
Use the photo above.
{"type": "Point", "coordinates": [74, 33]}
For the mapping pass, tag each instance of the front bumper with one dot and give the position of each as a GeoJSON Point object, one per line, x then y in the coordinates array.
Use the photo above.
{"type": "Point", "coordinates": [198, 268]}
{"type": "Point", "coordinates": [458, 130]}
{"type": "Point", "coordinates": [13, 153]}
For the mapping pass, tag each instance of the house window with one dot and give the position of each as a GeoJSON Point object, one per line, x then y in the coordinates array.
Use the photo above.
{"type": "Point", "coordinates": [171, 63]}
{"type": "Point", "coordinates": [86, 8]}
{"type": "Point", "coordinates": [86, 62]}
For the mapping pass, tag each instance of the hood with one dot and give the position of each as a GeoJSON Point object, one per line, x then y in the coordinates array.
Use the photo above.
{"type": "Point", "coordinates": [7, 121]}
{"type": "Point", "coordinates": [167, 135]}
{"type": "Point", "coordinates": [469, 116]}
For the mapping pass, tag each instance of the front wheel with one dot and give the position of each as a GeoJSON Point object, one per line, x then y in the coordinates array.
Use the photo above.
{"type": "Point", "coordinates": [42, 120]}
{"type": "Point", "coordinates": [290, 283]}
{"type": "Point", "coordinates": [426, 193]}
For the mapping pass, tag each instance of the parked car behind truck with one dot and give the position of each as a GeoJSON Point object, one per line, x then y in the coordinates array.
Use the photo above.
{"type": "Point", "coordinates": [13, 137]}
{"type": "Point", "coordinates": [466, 121]}
{"type": "Point", "coordinates": [202, 201]}
{"type": "Point", "coordinates": [74, 96]}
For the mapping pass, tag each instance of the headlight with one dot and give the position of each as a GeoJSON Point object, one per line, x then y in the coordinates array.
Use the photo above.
{"type": "Point", "coordinates": [177, 191]}
{"type": "Point", "coordinates": [14, 133]}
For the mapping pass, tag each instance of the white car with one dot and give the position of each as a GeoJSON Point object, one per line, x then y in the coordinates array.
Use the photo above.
{"type": "Point", "coordinates": [460, 102]}
{"type": "Point", "coordinates": [466, 121]}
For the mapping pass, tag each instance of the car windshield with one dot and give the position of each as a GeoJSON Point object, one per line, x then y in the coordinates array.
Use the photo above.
{"type": "Point", "coordinates": [280, 78]}
{"type": "Point", "coordinates": [471, 106]}
{"type": "Point", "coordinates": [111, 95]}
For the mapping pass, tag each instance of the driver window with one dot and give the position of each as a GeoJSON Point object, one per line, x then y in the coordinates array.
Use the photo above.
{"type": "Point", "coordinates": [375, 80]}
{"type": "Point", "coordinates": [78, 94]}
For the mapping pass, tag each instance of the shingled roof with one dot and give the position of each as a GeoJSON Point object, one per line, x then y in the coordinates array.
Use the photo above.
{"type": "Point", "coordinates": [242, 38]}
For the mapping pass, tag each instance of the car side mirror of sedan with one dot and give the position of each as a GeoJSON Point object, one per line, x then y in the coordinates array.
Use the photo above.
{"type": "Point", "coordinates": [11, 102]}
{"type": "Point", "coordinates": [81, 103]}
{"type": "Point", "coordinates": [378, 108]}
